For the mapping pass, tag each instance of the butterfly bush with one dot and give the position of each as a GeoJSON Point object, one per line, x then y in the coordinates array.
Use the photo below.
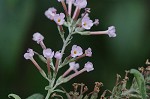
{"type": "Point", "coordinates": [77, 23]}
{"type": "Point", "coordinates": [80, 23]}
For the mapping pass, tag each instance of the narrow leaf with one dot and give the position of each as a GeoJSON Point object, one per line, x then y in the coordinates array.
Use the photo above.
{"type": "Point", "coordinates": [14, 96]}
{"type": "Point", "coordinates": [36, 96]}
{"type": "Point", "coordinates": [140, 81]}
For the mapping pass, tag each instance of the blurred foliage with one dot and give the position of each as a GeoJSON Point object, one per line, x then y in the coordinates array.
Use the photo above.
{"type": "Point", "coordinates": [19, 19]}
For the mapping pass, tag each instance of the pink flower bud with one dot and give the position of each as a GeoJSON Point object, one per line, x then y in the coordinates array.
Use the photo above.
{"type": "Point", "coordinates": [37, 37]}
{"type": "Point", "coordinates": [29, 54]}
{"type": "Point", "coordinates": [96, 22]}
{"type": "Point", "coordinates": [111, 31]}
{"type": "Point", "coordinates": [50, 13]}
{"type": "Point", "coordinates": [81, 3]}
{"type": "Point", "coordinates": [58, 55]}
{"type": "Point", "coordinates": [74, 66]}
{"type": "Point", "coordinates": [88, 66]}
{"type": "Point", "coordinates": [88, 52]}
{"type": "Point", "coordinates": [48, 53]}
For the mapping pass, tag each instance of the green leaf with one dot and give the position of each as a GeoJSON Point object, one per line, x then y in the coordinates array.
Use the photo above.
{"type": "Point", "coordinates": [140, 81]}
{"type": "Point", "coordinates": [36, 96]}
{"type": "Point", "coordinates": [14, 96]}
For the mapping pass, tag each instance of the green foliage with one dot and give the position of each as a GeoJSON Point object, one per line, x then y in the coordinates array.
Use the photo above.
{"type": "Point", "coordinates": [36, 96]}
{"type": "Point", "coordinates": [140, 81]}
{"type": "Point", "coordinates": [14, 96]}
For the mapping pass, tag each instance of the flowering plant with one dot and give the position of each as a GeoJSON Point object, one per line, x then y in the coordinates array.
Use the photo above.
{"type": "Point", "coordinates": [55, 60]}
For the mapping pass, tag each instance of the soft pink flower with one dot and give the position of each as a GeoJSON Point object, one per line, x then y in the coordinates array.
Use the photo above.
{"type": "Point", "coordinates": [88, 52]}
{"type": "Point", "coordinates": [87, 23]}
{"type": "Point", "coordinates": [29, 54]}
{"type": "Point", "coordinates": [111, 31]}
{"type": "Point", "coordinates": [38, 37]}
{"type": "Point", "coordinates": [76, 51]}
{"type": "Point", "coordinates": [58, 55]}
{"type": "Point", "coordinates": [48, 53]}
{"type": "Point", "coordinates": [80, 3]}
{"type": "Point", "coordinates": [88, 66]}
{"type": "Point", "coordinates": [50, 13]}
{"type": "Point", "coordinates": [59, 18]}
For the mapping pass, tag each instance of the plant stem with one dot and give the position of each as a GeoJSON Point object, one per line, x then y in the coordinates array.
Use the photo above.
{"type": "Point", "coordinates": [48, 94]}
{"type": "Point", "coordinates": [65, 44]}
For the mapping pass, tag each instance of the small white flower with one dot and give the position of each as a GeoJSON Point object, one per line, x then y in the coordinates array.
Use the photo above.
{"type": "Point", "coordinates": [37, 37]}
{"type": "Point", "coordinates": [58, 55]}
{"type": "Point", "coordinates": [111, 31]}
{"type": "Point", "coordinates": [76, 51]}
{"type": "Point", "coordinates": [59, 18]}
{"type": "Point", "coordinates": [29, 54]}
{"type": "Point", "coordinates": [50, 13]}
{"type": "Point", "coordinates": [48, 53]}
{"type": "Point", "coordinates": [88, 66]}
{"type": "Point", "coordinates": [88, 52]}
{"type": "Point", "coordinates": [87, 23]}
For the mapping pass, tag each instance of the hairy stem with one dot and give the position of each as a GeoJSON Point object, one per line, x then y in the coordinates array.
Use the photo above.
{"type": "Point", "coordinates": [65, 45]}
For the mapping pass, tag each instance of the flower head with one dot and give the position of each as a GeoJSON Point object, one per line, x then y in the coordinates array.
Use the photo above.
{"type": "Point", "coordinates": [48, 53]}
{"type": "Point", "coordinates": [58, 55]}
{"type": "Point", "coordinates": [87, 23]}
{"type": "Point", "coordinates": [29, 54]}
{"type": "Point", "coordinates": [74, 66]}
{"type": "Point", "coordinates": [81, 3]}
{"type": "Point", "coordinates": [76, 51]}
{"type": "Point", "coordinates": [88, 52]}
{"type": "Point", "coordinates": [111, 31]}
{"type": "Point", "coordinates": [50, 13]}
{"type": "Point", "coordinates": [59, 18]}
{"type": "Point", "coordinates": [88, 66]}
{"type": "Point", "coordinates": [38, 37]}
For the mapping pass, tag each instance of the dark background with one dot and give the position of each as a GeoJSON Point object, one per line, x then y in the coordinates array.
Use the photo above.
{"type": "Point", "coordinates": [19, 19]}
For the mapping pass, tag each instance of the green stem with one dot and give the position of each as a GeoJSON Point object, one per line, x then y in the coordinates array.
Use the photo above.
{"type": "Point", "coordinates": [48, 95]}
{"type": "Point", "coordinates": [65, 45]}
